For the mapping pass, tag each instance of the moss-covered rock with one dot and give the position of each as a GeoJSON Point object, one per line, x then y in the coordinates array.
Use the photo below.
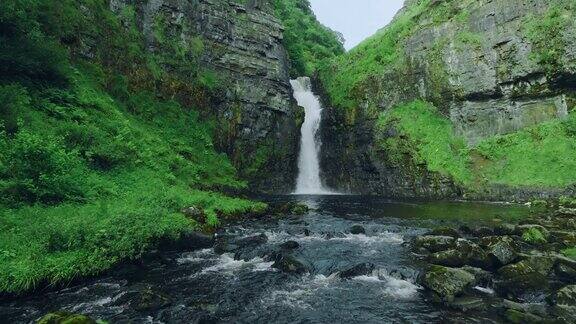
{"type": "Point", "coordinates": [566, 296]}
{"type": "Point", "coordinates": [434, 243]}
{"type": "Point", "coordinates": [464, 253]}
{"type": "Point", "coordinates": [502, 252]}
{"type": "Point", "coordinates": [519, 278]}
{"type": "Point", "coordinates": [447, 283]}
{"type": "Point", "coordinates": [66, 318]}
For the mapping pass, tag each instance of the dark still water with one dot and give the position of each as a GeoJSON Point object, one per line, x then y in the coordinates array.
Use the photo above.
{"type": "Point", "coordinates": [204, 287]}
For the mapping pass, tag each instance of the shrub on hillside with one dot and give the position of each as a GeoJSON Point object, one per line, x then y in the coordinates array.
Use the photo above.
{"type": "Point", "coordinates": [36, 168]}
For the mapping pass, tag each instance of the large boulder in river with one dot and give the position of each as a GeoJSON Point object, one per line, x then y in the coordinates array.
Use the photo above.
{"type": "Point", "coordinates": [290, 245]}
{"type": "Point", "coordinates": [444, 231]}
{"type": "Point", "coordinates": [463, 253]}
{"type": "Point", "coordinates": [566, 296]}
{"type": "Point", "coordinates": [362, 269]}
{"type": "Point", "coordinates": [188, 241]}
{"type": "Point", "coordinates": [150, 299]}
{"type": "Point", "coordinates": [481, 277]}
{"type": "Point", "coordinates": [502, 252]}
{"type": "Point", "coordinates": [226, 244]}
{"type": "Point", "coordinates": [288, 263]}
{"type": "Point", "coordinates": [565, 272]}
{"type": "Point", "coordinates": [357, 230]}
{"type": "Point", "coordinates": [522, 277]}
{"type": "Point", "coordinates": [65, 318]}
{"type": "Point", "coordinates": [434, 243]}
{"type": "Point", "coordinates": [447, 283]}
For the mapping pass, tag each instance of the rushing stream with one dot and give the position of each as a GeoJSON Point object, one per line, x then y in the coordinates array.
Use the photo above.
{"type": "Point", "coordinates": [202, 286]}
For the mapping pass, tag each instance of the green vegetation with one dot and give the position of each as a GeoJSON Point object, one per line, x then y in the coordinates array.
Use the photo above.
{"type": "Point", "coordinates": [307, 41]}
{"type": "Point", "coordinates": [570, 253]}
{"type": "Point", "coordinates": [540, 156]}
{"type": "Point", "coordinates": [67, 318]}
{"type": "Point", "coordinates": [426, 137]}
{"type": "Point", "coordinates": [546, 33]}
{"type": "Point", "coordinates": [346, 74]}
{"type": "Point", "coordinates": [100, 147]}
{"type": "Point", "coordinates": [534, 236]}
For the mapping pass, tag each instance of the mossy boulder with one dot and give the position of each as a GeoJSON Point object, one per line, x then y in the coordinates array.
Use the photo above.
{"type": "Point", "coordinates": [362, 269]}
{"type": "Point", "coordinates": [434, 243]}
{"type": "Point", "coordinates": [291, 208]}
{"type": "Point", "coordinates": [502, 252]}
{"type": "Point", "coordinates": [519, 317]}
{"type": "Point", "coordinates": [288, 264]}
{"type": "Point", "coordinates": [466, 304]}
{"type": "Point", "coordinates": [66, 318]}
{"type": "Point", "coordinates": [357, 230]}
{"type": "Point", "coordinates": [566, 296]}
{"type": "Point", "coordinates": [447, 283]}
{"type": "Point", "coordinates": [290, 245]}
{"type": "Point", "coordinates": [150, 299]}
{"type": "Point", "coordinates": [565, 238]}
{"type": "Point", "coordinates": [519, 278]}
{"type": "Point", "coordinates": [464, 253]}
{"type": "Point", "coordinates": [444, 231]}
{"type": "Point", "coordinates": [565, 272]}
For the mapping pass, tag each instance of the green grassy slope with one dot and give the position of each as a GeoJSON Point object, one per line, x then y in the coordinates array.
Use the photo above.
{"type": "Point", "coordinates": [542, 156]}
{"type": "Point", "coordinates": [100, 142]}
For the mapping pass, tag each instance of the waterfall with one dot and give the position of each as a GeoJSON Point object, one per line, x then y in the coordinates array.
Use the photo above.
{"type": "Point", "coordinates": [309, 182]}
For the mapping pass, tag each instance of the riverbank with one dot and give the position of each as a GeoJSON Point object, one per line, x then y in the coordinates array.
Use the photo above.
{"type": "Point", "coordinates": [525, 272]}
{"type": "Point", "coordinates": [44, 246]}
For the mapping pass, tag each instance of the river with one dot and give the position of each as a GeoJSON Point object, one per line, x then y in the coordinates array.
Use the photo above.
{"type": "Point", "coordinates": [204, 287]}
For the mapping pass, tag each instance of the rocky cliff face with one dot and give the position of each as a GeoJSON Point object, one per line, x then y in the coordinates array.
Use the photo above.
{"type": "Point", "coordinates": [489, 66]}
{"type": "Point", "coordinates": [240, 48]}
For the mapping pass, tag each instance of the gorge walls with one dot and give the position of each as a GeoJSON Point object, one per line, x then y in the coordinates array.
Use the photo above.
{"type": "Point", "coordinates": [240, 49]}
{"type": "Point", "coordinates": [486, 73]}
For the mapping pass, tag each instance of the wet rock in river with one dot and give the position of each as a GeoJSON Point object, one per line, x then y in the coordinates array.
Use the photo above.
{"type": "Point", "coordinates": [504, 229]}
{"type": "Point", "coordinates": [519, 317]}
{"type": "Point", "coordinates": [519, 278]}
{"type": "Point", "coordinates": [502, 252]}
{"type": "Point", "coordinates": [565, 272]}
{"type": "Point", "coordinates": [447, 283]}
{"type": "Point", "coordinates": [290, 245]}
{"type": "Point", "coordinates": [466, 304]}
{"type": "Point", "coordinates": [65, 318]}
{"type": "Point", "coordinates": [444, 231]}
{"type": "Point", "coordinates": [481, 277]}
{"type": "Point", "coordinates": [291, 208]}
{"type": "Point", "coordinates": [289, 264]}
{"type": "Point", "coordinates": [464, 253]}
{"type": "Point", "coordinates": [357, 230]}
{"type": "Point", "coordinates": [435, 243]}
{"type": "Point", "coordinates": [483, 231]}
{"type": "Point", "coordinates": [226, 244]}
{"type": "Point", "coordinates": [565, 238]}
{"type": "Point", "coordinates": [188, 241]}
{"type": "Point", "coordinates": [150, 299]}
{"type": "Point", "coordinates": [566, 212]}
{"type": "Point", "coordinates": [358, 270]}
{"type": "Point", "coordinates": [566, 296]}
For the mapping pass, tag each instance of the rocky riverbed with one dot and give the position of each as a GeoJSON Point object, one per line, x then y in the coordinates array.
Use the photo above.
{"type": "Point", "coordinates": [522, 272]}
{"type": "Point", "coordinates": [354, 259]}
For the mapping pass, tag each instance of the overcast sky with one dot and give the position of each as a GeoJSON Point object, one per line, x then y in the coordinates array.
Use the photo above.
{"type": "Point", "coordinates": [356, 19]}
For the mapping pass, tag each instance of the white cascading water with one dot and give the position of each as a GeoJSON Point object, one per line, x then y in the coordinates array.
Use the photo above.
{"type": "Point", "coordinates": [308, 182]}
